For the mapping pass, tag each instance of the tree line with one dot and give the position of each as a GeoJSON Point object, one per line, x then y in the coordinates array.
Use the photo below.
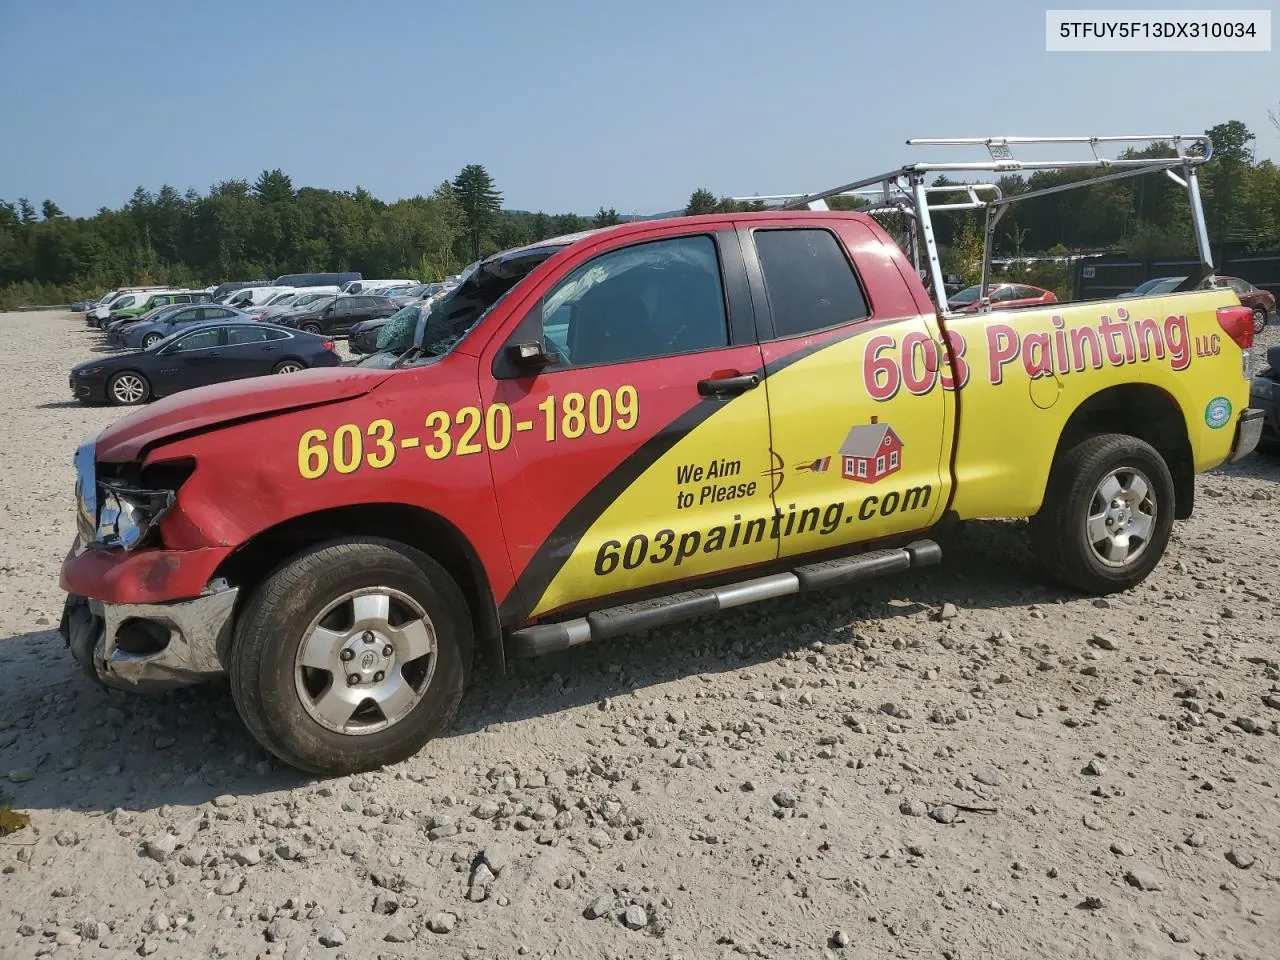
{"type": "Point", "coordinates": [242, 231]}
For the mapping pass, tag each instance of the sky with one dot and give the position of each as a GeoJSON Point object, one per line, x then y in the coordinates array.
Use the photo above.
{"type": "Point", "coordinates": [570, 105]}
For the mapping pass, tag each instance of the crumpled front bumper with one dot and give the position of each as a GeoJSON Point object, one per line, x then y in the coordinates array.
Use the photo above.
{"type": "Point", "coordinates": [150, 646]}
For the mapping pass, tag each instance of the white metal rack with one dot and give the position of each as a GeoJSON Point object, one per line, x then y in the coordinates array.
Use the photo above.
{"type": "Point", "coordinates": [904, 190]}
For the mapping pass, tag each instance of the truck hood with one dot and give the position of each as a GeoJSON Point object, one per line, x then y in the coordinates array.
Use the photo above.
{"type": "Point", "coordinates": [207, 408]}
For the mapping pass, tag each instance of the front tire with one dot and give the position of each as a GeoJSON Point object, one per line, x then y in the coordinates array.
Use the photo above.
{"type": "Point", "coordinates": [311, 328]}
{"type": "Point", "coordinates": [1107, 514]}
{"type": "Point", "coordinates": [1259, 319]}
{"type": "Point", "coordinates": [127, 388]}
{"type": "Point", "coordinates": [313, 687]}
{"type": "Point", "coordinates": [150, 340]}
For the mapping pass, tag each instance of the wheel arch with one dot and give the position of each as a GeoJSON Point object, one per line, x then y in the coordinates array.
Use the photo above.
{"type": "Point", "coordinates": [1149, 413]}
{"type": "Point", "coordinates": [410, 525]}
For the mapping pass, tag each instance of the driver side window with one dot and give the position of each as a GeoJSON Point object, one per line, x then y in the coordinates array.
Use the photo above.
{"type": "Point", "coordinates": [198, 340]}
{"type": "Point", "coordinates": [649, 300]}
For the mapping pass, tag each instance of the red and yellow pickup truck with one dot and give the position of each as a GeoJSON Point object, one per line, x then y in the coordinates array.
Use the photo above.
{"type": "Point", "coordinates": [611, 431]}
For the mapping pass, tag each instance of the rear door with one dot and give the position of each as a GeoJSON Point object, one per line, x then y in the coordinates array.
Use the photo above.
{"type": "Point", "coordinates": [346, 311]}
{"type": "Point", "coordinates": [639, 456]}
{"type": "Point", "coordinates": [855, 379]}
{"type": "Point", "coordinates": [251, 350]}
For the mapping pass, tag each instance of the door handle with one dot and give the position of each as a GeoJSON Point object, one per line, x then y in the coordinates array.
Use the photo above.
{"type": "Point", "coordinates": [214, 353]}
{"type": "Point", "coordinates": [729, 386]}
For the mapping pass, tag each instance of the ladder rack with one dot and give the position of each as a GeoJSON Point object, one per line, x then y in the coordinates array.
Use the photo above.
{"type": "Point", "coordinates": [904, 190]}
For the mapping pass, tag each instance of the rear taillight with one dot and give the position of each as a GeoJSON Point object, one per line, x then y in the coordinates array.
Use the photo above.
{"type": "Point", "coordinates": [1237, 322]}
{"type": "Point", "coordinates": [328, 345]}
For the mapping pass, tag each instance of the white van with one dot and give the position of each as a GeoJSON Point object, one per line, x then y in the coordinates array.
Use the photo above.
{"type": "Point", "coordinates": [122, 299]}
{"type": "Point", "coordinates": [112, 301]}
{"type": "Point", "coordinates": [255, 296]}
{"type": "Point", "coordinates": [371, 286]}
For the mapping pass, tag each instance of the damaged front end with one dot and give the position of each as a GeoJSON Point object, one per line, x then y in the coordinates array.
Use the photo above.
{"type": "Point", "coordinates": [140, 646]}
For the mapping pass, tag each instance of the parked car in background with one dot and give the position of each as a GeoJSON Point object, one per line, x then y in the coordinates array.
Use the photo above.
{"type": "Point", "coordinates": [115, 329]}
{"type": "Point", "coordinates": [223, 290]}
{"type": "Point", "coordinates": [117, 299]}
{"type": "Point", "coordinates": [370, 286]}
{"type": "Point", "coordinates": [315, 279]}
{"type": "Point", "coordinates": [197, 356]}
{"type": "Point", "coordinates": [338, 314]}
{"type": "Point", "coordinates": [1264, 394]}
{"type": "Point", "coordinates": [1002, 295]}
{"type": "Point", "coordinates": [159, 300]}
{"type": "Point", "coordinates": [147, 334]}
{"type": "Point", "coordinates": [1261, 303]}
{"type": "Point", "coordinates": [363, 336]}
{"type": "Point", "coordinates": [255, 296]}
{"type": "Point", "coordinates": [296, 301]}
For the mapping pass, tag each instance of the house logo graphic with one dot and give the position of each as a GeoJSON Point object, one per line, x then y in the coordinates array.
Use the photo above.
{"type": "Point", "coordinates": [871, 452]}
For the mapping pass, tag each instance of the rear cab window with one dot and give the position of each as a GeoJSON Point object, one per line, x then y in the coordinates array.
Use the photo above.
{"type": "Point", "coordinates": [810, 282]}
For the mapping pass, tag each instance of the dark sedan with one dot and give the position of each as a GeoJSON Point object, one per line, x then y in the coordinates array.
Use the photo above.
{"type": "Point", "coordinates": [197, 356]}
{"type": "Point", "coordinates": [1264, 395]}
{"type": "Point", "coordinates": [364, 336]}
{"type": "Point", "coordinates": [338, 314]}
{"type": "Point", "coordinates": [143, 335]}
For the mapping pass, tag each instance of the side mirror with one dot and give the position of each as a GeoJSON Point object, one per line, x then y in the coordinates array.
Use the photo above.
{"type": "Point", "coordinates": [532, 355]}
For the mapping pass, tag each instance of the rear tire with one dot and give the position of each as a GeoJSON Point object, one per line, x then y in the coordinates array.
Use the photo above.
{"type": "Point", "coordinates": [288, 366]}
{"type": "Point", "coordinates": [1107, 515]}
{"type": "Point", "coordinates": [1259, 319]}
{"type": "Point", "coordinates": [315, 609]}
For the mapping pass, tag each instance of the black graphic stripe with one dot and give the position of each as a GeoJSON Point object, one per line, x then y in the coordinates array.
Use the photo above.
{"type": "Point", "coordinates": [560, 545]}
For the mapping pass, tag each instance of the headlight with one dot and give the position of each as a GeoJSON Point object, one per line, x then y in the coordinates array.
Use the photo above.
{"type": "Point", "coordinates": [88, 373]}
{"type": "Point", "coordinates": [126, 514]}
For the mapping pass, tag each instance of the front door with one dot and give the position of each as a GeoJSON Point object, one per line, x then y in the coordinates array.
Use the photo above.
{"type": "Point", "coordinates": [856, 389]}
{"type": "Point", "coordinates": [193, 360]}
{"type": "Point", "coordinates": [639, 456]}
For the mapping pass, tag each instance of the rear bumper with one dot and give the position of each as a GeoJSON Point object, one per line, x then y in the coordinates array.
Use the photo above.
{"type": "Point", "coordinates": [1264, 395]}
{"type": "Point", "coordinates": [150, 646]}
{"type": "Point", "coordinates": [1248, 432]}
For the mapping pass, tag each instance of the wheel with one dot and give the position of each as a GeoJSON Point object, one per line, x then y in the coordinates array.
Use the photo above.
{"type": "Point", "coordinates": [127, 388]}
{"type": "Point", "coordinates": [311, 328]}
{"type": "Point", "coordinates": [1259, 319]}
{"type": "Point", "coordinates": [1107, 514]}
{"type": "Point", "coordinates": [351, 655]}
{"type": "Point", "coordinates": [150, 340]}
{"type": "Point", "coordinates": [288, 366]}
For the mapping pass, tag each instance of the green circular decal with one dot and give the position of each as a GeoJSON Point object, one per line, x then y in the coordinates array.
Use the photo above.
{"type": "Point", "coordinates": [1218, 413]}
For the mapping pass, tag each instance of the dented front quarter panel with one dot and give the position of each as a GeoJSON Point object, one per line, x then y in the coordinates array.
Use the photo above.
{"type": "Point", "coordinates": [249, 476]}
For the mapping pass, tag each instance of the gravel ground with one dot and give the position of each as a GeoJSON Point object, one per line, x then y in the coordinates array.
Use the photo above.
{"type": "Point", "coordinates": [956, 763]}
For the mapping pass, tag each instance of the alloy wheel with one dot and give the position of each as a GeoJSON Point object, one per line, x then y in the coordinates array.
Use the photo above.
{"type": "Point", "coordinates": [366, 661]}
{"type": "Point", "coordinates": [1122, 516]}
{"type": "Point", "coordinates": [128, 388]}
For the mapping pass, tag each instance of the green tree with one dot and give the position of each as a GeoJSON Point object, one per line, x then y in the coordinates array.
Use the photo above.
{"type": "Point", "coordinates": [479, 201]}
{"type": "Point", "coordinates": [26, 212]}
{"type": "Point", "coordinates": [51, 211]}
{"type": "Point", "coordinates": [701, 201]}
{"type": "Point", "coordinates": [606, 218]}
{"type": "Point", "coordinates": [273, 186]}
